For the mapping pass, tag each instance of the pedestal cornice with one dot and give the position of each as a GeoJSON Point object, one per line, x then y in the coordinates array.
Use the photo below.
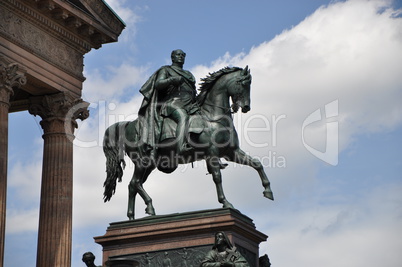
{"type": "Point", "coordinates": [180, 232]}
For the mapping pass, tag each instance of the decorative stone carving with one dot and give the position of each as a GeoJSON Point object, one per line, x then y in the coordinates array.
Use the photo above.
{"type": "Point", "coordinates": [169, 258]}
{"type": "Point", "coordinates": [180, 257]}
{"type": "Point", "coordinates": [41, 43]}
{"type": "Point", "coordinates": [107, 16]}
{"type": "Point", "coordinates": [9, 78]}
{"type": "Point", "coordinates": [59, 112]}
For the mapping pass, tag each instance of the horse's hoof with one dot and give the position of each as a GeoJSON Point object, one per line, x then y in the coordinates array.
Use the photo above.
{"type": "Point", "coordinates": [228, 205]}
{"type": "Point", "coordinates": [150, 211]}
{"type": "Point", "coordinates": [268, 194]}
{"type": "Point", "coordinates": [130, 216]}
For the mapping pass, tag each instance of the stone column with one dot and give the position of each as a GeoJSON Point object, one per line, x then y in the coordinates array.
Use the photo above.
{"type": "Point", "coordinates": [9, 78]}
{"type": "Point", "coordinates": [59, 113]}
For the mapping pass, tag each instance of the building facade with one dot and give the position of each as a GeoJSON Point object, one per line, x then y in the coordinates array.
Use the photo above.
{"type": "Point", "coordinates": [42, 48]}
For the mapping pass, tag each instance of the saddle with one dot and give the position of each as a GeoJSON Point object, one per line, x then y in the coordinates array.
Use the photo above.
{"type": "Point", "coordinates": [196, 125]}
{"type": "Point", "coordinates": [133, 131]}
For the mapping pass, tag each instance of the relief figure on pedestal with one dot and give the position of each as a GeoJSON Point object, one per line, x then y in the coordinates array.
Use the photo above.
{"type": "Point", "coordinates": [223, 254]}
{"type": "Point", "coordinates": [166, 262]}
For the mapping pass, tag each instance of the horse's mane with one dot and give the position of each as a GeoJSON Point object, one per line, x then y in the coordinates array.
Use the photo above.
{"type": "Point", "coordinates": [210, 80]}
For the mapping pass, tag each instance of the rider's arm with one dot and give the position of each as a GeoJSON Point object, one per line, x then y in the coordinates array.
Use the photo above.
{"type": "Point", "coordinates": [163, 81]}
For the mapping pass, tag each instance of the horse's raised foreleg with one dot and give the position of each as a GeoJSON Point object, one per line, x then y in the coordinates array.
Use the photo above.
{"type": "Point", "coordinates": [213, 165]}
{"type": "Point", "coordinates": [241, 157]}
{"type": "Point", "coordinates": [140, 176]}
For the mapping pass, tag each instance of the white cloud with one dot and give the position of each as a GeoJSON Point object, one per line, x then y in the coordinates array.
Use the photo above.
{"type": "Point", "coordinates": [24, 181]}
{"type": "Point", "coordinates": [25, 177]}
{"type": "Point", "coordinates": [357, 233]}
{"type": "Point", "coordinates": [331, 55]}
{"type": "Point", "coordinates": [22, 220]}
{"type": "Point", "coordinates": [129, 17]}
{"type": "Point", "coordinates": [113, 84]}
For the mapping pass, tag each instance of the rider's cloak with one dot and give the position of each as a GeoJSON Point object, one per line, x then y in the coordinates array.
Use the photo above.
{"type": "Point", "coordinates": [149, 113]}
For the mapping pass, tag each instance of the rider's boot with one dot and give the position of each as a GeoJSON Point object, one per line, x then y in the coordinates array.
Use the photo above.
{"type": "Point", "coordinates": [152, 156]}
{"type": "Point", "coordinates": [182, 145]}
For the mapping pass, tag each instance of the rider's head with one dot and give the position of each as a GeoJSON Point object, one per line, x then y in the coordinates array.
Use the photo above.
{"type": "Point", "coordinates": [178, 57]}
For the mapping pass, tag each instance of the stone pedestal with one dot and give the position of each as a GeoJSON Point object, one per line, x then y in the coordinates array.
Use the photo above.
{"type": "Point", "coordinates": [181, 238]}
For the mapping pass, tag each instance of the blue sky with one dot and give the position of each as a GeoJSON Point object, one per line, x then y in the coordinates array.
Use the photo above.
{"type": "Point", "coordinates": [333, 207]}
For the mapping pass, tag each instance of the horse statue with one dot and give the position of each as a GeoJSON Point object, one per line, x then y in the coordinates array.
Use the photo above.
{"type": "Point", "coordinates": [211, 134]}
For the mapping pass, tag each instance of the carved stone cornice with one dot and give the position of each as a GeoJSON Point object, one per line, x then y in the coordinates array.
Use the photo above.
{"type": "Point", "coordinates": [59, 112]}
{"type": "Point", "coordinates": [39, 42]}
{"type": "Point", "coordinates": [86, 26]}
{"type": "Point", "coordinates": [57, 31]}
{"type": "Point", "coordinates": [107, 15]}
{"type": "Point", "coordinates": [9, 78]}
{"type": "Point", "coordinates": [29, 14]}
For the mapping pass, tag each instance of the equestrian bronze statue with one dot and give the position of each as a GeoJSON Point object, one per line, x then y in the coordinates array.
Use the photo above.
{"type": "Point", "coordinates": [176, 126]}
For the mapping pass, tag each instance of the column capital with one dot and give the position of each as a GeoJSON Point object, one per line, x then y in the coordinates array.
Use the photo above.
{"type": "Point", "coordinates": [59, 112]}
{"type": "Point", "coordinates": [10, 77]}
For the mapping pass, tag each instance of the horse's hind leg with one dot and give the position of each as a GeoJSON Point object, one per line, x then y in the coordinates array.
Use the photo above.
{"type": "Point", "coordinates": [213, 165]}
{"type": "Point", "coordinates": [132, 193]}
{"type": "Point", "coordinates": [139, 177]}
{"type": "Point", "coordinates": [241, 157]}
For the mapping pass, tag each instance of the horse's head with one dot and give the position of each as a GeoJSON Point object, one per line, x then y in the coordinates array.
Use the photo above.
{"type": "Point", "coordinates": [234, 81]}
{"type": "Point", "coordinates": [239, 90]}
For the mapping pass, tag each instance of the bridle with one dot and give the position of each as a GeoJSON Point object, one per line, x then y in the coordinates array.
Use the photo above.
{"type": "Point", "coordinates": [241, 82]}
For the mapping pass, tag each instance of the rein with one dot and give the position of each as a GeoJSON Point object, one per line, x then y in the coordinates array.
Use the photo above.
{"type": "Point", "coordinates": [205, 116]}
{"type": "Point", "coordinates": [227, 110]}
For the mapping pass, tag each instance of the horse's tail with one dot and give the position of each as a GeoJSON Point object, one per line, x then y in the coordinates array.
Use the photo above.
{"type": "Point", "coordinates": [113, 147]}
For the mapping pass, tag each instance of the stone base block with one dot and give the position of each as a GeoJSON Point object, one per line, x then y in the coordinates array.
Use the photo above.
{"type": "Point", "coordinates": [181, 239]}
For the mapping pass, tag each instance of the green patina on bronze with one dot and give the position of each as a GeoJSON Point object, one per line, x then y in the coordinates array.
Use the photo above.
{"type": "Point", "coordinates": [175, 126]}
